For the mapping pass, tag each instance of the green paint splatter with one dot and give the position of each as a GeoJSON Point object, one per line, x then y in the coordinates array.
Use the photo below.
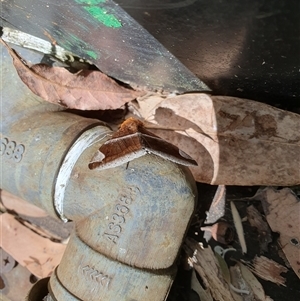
{"type": "Point", "coordinates": [100, 13]}
{"type": "Point", "coordinates": [92, 54]}
{"type": "Point", "coordinates": [77, 46]}
{"type": "Point", "coordinates": [90, 2]}
{"type": "Point", "coordinates": [102, 16]}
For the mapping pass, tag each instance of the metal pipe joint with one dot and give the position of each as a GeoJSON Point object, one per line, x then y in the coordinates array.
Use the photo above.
{"type": "Point", "coordinates": [130, 220]}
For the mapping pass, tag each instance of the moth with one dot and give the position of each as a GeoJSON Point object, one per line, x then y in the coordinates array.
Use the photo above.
{"type": "Point", "coordinates": [132, 141]}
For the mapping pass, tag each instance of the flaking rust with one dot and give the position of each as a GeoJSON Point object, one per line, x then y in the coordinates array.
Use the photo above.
{"type": "Point", "coordinates": [132, 141]}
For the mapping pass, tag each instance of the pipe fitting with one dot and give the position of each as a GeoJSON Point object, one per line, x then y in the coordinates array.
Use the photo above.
{"type": "Point", "coordinates": [130, 220]}
{"type": "Point", "coordinates": [141, 210]}
{"type": "Point", "coordinates": [85, 274]}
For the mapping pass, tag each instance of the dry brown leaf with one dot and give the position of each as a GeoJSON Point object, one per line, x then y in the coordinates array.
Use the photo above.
{"type": "Point", "coordinates": [264, 234]}
{"type": "Point", "coordinates": [238, 226]}
{"type": "Point", "coordinates": [217, 207]}
{"type": "Point", "coordinates": [268, 269]}
{"type": "Point", "coordinates": [20, 206]}
{"type": "Point", "coordinates": [35, 218]}
{"type": "Point", "coordinates": [240, 288]}
{"type": "Point", "coordinates": [255, 285]}
{"type": "Point", "coordinates": [206, 264]}
{"type": "Point", "coordinates": [85, 90]}
{"type": "Point", "coordinates": [40, 255]}
{"type": "Point", "coordinates": [282, 210]}
{"type": "Point", "coordinates": [234, 141]}
{"type": "Point", "coordinates": [204, 295]}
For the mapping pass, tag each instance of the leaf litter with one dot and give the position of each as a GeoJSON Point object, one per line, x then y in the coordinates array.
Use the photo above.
{"type": "Point", "coordinates": [84, 90]}
{"type": "Point", "coordinates": [235, 141]}
{"type": "Point", "coordinates": [243, 285]}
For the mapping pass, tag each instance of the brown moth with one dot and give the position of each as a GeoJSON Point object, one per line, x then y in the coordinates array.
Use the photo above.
{"type": "Point", "coordinates": [132, 141]}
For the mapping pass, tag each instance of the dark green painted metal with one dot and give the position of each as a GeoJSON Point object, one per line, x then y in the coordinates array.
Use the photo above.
{"type": "Point", "coordinates": [106, 35]}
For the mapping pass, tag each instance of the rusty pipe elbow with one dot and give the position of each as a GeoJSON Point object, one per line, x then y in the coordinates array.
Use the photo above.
{"type": "Point", "coordinates": [134, 219]}
{"type": "Point", "coordinates": [129, 221]}
{"type": "Point", "coordinates": [148, 200]}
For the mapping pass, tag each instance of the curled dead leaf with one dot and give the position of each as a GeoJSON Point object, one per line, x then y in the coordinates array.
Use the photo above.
{"type": "Point", "coordinates": [84, 90]}
{"type": "Point", "coordinates": [282, 209]}
{"type": "Point", "coordinates": [39, 254]}
{"type": "Point", "coordinates": [255, 285]}
{"type": "Point", "coordinates": [234, 141]}
{"type": "Point", "coordinates": [207, 266]}
{"type": "Point", "coordinates": [268, 269]}
{"type": "Point", "coordinates": [204, 295]}
{"type": "Point", "coordinates": [221, 232]}
{"type": "Point", "coordinates": [217, 207]}
{"type": "Point", "coordinates": [238, 226]}
{"type": "Point", "coordinates": [238, 284]}
{"type": "Point", "coordinates": [264, 234]}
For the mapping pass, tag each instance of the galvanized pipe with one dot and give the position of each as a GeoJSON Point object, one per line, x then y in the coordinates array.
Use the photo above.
{"type": "Point", "coordinates": [130, 220]}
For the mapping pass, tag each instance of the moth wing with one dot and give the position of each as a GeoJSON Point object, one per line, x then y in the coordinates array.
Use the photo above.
{"type": "Point", "coordinates": [118, 151]}
{"type": "Point", "coordinates": [155, 145]}
{"type": "Point", "coordinates": [118, 161]}
{"type": "Point", "coordinates": [98, 157]}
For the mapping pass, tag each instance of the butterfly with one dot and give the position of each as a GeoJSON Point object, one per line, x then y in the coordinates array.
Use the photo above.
{"type": "Point", "coordinates": [132, 141]}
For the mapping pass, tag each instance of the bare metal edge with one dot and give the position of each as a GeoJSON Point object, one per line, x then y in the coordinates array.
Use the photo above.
{"type": "Point", "coordinates": [87, 139]}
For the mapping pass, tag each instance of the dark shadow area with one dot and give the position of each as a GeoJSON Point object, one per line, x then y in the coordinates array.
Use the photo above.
{"type": "Point", "coordinates": [247, 49]}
